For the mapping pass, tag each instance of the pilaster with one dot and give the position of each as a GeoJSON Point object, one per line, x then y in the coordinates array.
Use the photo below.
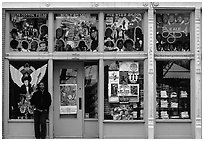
{"type": "Point", "coordinates": [197, 91]}
{"type": "Point", "coordinates": [150, 40]}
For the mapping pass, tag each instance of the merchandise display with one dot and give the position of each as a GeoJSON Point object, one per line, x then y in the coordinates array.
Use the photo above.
{"type": "Point", "coordinates": [125, 91]}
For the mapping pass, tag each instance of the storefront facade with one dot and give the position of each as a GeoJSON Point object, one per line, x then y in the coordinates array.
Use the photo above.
{"type": "Point", "coordinates": [114, 70]}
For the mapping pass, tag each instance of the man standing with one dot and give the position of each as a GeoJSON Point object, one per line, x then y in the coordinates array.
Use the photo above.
{"type": "Point", "coordinates": [41, 100]}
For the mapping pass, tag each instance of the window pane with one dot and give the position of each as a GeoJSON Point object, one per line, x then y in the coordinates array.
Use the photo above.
{"type": "Point", "coordinates": [123, 32]}
{"type": "Point", "coordinates": [76, 32]}
{"type": "Point", "coordinates": [123, 99]}
{"type": "Point", "coordinates": [29, 32]}
{"type": "Point", "coordinates": [173, 32]}
{"type": "Point", "coordinates": [173, 90]}
{"type": "Point", "coordinates": [91, 86]}
{"type": "Point", "coordinates": [24, 74]}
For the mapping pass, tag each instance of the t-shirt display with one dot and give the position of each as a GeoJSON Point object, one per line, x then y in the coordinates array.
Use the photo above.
{"type": "Point", "coordinates": [173, 90]}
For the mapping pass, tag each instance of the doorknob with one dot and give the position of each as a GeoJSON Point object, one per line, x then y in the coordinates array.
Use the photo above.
{"type": "Point", "coordinates": [80, 103]}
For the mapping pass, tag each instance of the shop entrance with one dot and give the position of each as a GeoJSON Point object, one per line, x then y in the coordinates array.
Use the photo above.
{"type": "Point", "coordinates": [68, 99]}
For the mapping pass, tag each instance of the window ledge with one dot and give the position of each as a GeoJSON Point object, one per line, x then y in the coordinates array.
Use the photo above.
{"type": "Point", "coordinates": [123, 121]}
{"type": "Point", "coordinates": [90, 119]}
{"type": "Point", "coordinates": [173, 120]}
{"type": "Point", "coordinates": [23, 121]}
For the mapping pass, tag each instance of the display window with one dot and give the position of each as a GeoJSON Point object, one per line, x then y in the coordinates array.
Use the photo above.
{"type": "Point", "coordinates": [76, 32]}
{"type": "Point", "coordinates": [91, 89]}
{"type": "Point", "coordinates": [28, 32]}
{"type": "Point", "coordinates": [173, 32]}
{"type": "Point", "coordinates": [124, 90]}
{"type": "Point", "coordinates": [23, 79]}
{"type": "Point", "coordinates": [123, 32]}
{"type": "Point", "coordinates": [173, 89]}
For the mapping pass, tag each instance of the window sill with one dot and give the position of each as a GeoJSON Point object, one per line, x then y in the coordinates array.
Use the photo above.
{"type": "Point", "coordinates": [123, 121]}
{"type": "Point", "coordinates": [174, 120]}
{"type": "Point", "coordinates": [23, 121]}
{"type": "Point", "coordinates": [90, 119]}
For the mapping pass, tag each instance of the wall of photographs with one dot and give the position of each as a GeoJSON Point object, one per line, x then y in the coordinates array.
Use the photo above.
{"type": "Point", "coordinates": [24, 74]}
{"type": "Point", "coordinates": [123, 90]}
{"type": "Point", "coordinates": [173, 90]}
{"type": "Point", "coordinates": [29, 32]}
{"type": "Point", "coordinates": [76, 32]}
{"type": "Point", "coordinates": [173, 32]}
{"type": "Point", "coordinates": [123, 32]}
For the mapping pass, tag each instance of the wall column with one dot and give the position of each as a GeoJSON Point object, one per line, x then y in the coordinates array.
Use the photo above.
{"type": "Point", "coordinates": [197, 90]}
{"type": "Point", "coordinates": [50, 70]}
{"type": "Point", "coordinates": [150, 100]}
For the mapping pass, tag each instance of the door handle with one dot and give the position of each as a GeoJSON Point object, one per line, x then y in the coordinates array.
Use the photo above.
{"type": "Point", "coordinates": [80, 103]}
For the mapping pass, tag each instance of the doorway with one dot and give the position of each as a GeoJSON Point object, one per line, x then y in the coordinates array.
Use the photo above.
{"type": "Point", "coordinates": [68, 98]}
{"type": "Point", "coordinates": [75, 99]}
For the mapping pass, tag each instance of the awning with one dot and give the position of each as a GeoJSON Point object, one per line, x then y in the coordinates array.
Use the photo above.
{"type": "Point", "coordinates": [177, 71]}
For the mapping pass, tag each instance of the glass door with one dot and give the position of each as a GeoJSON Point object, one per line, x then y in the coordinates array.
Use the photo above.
{"type": "Point", "coordinates": [68, 98]}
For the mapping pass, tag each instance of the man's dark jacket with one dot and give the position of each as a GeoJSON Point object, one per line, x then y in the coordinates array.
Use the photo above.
{"type": "Point", "coordinates": [41, 101]}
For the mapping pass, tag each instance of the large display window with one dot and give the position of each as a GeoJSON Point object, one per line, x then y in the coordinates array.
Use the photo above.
{"type": "Point", "coordinates": [29, 32]}
{"type": "Point", "coordinates": [124, 90]}
{"type": "Point", "coordinates": [23, 79]}
{"type": "Point", "coordinates": [123, 32]}
{"type": "Point", "coordinates": [76, 32]}
{"type": "Point", "coordinates": [173, 90]}
{"type": "Point", "coordinates": [173, 32]}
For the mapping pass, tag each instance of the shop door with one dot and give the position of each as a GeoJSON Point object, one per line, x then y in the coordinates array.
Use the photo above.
{"type": "Point", "coordinates": [68, 98]}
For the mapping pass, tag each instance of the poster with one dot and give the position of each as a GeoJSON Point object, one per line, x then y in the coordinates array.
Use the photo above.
{"type": "Point", "coordinates": [68, 99]}
{"type": "Point", "coordinates": [124, 82]}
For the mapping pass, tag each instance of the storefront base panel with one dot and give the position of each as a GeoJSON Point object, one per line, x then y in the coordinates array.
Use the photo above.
{"type": "Point", "coordinates": [91, 129]}
{"type": "Point", "coordinates": [173, 131]}
{"type": "Point", "coordinates": [19, 130]}
{"type": "Point", "coordinates": [124, 130]}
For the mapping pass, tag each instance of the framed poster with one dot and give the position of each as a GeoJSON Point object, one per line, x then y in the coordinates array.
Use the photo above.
{"type": "Point", "coordinates": [68, 99]}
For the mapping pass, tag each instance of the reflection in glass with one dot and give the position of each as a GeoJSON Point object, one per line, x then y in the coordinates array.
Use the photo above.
{"type": "Point", "coordinates": [91, 86]}
{"type": "Point", "coordinates": [123, 90]}
{"type": "Point", "coordinates": [173, 32]}
{"type": "Point", "coordinates": [29, 32]}
{"type": "Point", "coordinates": [68, 91]}
{"type": "Point", "coordinates": [123, 32]}
{"type": "Point", "coordinates": [76, 32]}
{"type": "Point", "coordinates": [173, 90]}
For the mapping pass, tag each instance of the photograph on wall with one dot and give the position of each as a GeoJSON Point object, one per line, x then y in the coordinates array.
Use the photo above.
{"type": "Point", "coordinates": [76, 32]}
{"type": "Point", "coordinates": [173, 32]}
{"type": "Point", "coordinates": [23, 79]}
{"type": "Point", "coordinates": [68, 99]}
{"type": "Point", "coordinates": [29, 32]}
{"type": "Point", "coordinates": [123, 32]}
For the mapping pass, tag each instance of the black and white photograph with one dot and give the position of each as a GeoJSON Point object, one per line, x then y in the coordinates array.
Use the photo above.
{"type": "Point", "coordinates": [102, 70]}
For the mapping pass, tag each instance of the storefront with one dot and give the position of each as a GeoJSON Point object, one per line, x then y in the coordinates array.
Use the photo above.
{"type": "Point", "coordinates": [114, 70]}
